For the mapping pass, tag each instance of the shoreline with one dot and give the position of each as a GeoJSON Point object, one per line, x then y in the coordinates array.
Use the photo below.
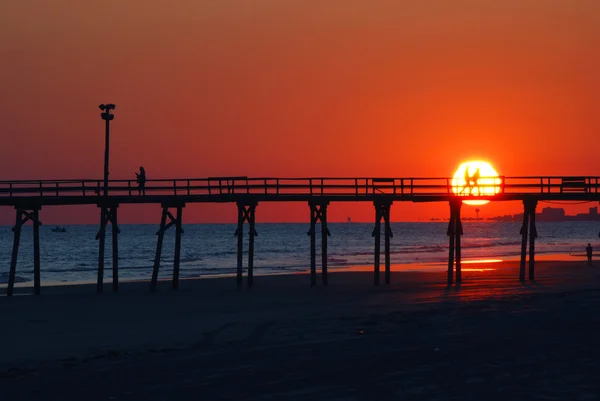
{"type": "Point", "coordinates": [506, 267]}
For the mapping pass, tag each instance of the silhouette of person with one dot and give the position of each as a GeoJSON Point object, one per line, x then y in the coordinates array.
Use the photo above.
{"type": "Point", "coordinates": [467, 185]}
{"type": "Point", "coordinates": [588, 250]}
{"type": "Point", "coordinates": [141, 180]}
{"type": "Point", "coordinates": [475, 179]}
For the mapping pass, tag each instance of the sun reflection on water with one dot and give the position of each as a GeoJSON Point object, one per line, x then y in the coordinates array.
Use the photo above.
{"type": "Point", "coordinates": [479, 261]}
{"type": "Point", "coordinates": [476, 261]}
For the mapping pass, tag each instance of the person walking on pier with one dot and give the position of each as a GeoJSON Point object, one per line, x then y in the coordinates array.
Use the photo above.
{"type": "Point", "coordinates": [141, 180]}
{"type": "Point", "coordinates": [588, 250]}
{"type": "Point", "coordinates": [467, 185]}
{"type": "Point", "coordinates": [475, 180]}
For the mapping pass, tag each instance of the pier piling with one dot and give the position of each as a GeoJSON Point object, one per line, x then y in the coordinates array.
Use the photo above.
{"type": "Point", "coordinates": [23, 215]}
{"type": "Point", "coordinates": [177, 254]}
{"type": "Point", "coordinates": [458, 247]}
{"type": "Point", "coordinates": [115, 248]}
{"type": "Point", "coordinates": [382, 212]}
{"type": "Point", "coordinates": [313, 248]}
{"type": "Point", "coordinates": [528, 228]}
{"type": "Point", "coordinates": [36, 252]}
{"type": "Point", "coordinates": [318, 212]}
{"type": "Point", "coordinates": [108, 214]}
{"type": "Point", "coordinates": [324, 234]}
{"type": "Point", "coordinates": [246, 213]}
{"type": "Point", "coordinates": [451, 235]}
{"type": "Point", "coordinates": [159, 244]}
{"type": "Point", "coordinates": [532, 237]}
{"type": "Point", "coordinates": [377, 235]}
{"type": "Point", "coordinates": [240, 245]}
{"type": "Point", "coordinates": [15, 251]}
{"type": "Point", "coordinates": [101, 237]}
{"type": "Point", "coordinates": [164, 226]}
{"type": "Point", "coordinates": [388, 236]}
{"type": "Point", "coordinates": [454, 249]}
{"type": "Point", "coordinates": [251, 234]}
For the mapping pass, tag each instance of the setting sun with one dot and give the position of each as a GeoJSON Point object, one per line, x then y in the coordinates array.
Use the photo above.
{"type": "Point", "coordinates": [476, 178]}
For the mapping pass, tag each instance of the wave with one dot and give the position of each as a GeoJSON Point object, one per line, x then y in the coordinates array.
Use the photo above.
{"type": "Point", "coordinates": [337, 261]}
{"type": "Point", "coordinates": [18, 279]}
{"type": "Point", "coordinates": [94, 268]}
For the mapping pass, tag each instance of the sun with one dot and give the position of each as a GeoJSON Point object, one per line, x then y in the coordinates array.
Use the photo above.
{"type": "Point", "coordinates": [476, 178]}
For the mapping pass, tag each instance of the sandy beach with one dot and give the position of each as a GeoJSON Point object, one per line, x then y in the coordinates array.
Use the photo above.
{"type": "Point", "coordinates": [492, 338]}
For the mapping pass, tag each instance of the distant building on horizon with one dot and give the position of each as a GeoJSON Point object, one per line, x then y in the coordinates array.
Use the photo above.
{"type": "Point", "coordinates": [551, 214]}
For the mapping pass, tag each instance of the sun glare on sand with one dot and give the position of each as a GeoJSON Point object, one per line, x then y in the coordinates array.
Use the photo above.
{"type": "Point", "coordinates": [482, 181]}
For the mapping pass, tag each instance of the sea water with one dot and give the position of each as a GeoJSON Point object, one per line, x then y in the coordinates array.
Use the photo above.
{"type": "Point", "coordinates": [211, 249]}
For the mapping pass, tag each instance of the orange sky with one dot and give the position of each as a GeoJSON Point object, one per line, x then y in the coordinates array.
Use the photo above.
{"type": "Point", "coordinates": [298, 88]}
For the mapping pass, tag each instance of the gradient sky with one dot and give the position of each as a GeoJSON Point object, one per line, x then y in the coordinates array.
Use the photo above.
{"type": "Point", "coordinates": [298, 88]}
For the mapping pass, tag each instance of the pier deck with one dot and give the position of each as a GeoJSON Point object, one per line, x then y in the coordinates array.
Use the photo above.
{"type": "Point", "coordinates": [233, 189]}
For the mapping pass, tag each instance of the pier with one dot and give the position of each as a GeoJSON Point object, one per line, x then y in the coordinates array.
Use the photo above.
{"type": "Point", "coordinates": [28, 197]}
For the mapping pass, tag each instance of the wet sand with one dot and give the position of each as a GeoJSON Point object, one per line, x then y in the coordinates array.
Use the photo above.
{"type": "Point", "coordinates": [492, 338]}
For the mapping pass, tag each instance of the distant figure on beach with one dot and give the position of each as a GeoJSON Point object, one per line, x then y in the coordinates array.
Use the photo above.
{"type": "Point", "coordinates": [588, 249]}
{"type": "Point", "coordinates": [141, 180]}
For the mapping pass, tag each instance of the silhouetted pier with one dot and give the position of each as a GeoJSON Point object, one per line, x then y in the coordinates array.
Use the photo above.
{"type": "Point", "coordinates": [29, 196]}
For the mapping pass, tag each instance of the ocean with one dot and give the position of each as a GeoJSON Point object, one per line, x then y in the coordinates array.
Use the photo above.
{"type": "Point", "coordinates": [211, 249]}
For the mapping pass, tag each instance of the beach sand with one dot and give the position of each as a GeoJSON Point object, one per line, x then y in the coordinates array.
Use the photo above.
{"type": "Point", "coordinates": [492, 338]}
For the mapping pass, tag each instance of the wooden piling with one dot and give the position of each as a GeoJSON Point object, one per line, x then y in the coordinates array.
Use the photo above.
{"type": "Point", "coordinates": [387, 259]}
{"type": "Point", "coordinates": [318, 212]}
{"type": "Point", "coordinates": [240, 244]}
{"type": "Point", "coordinates": [15, 252]}
{"type": "Point", "coordinates": [313, 246]}
{"type": "Point", "coordinates": [451, 234]}
{"type": "Point", "coordinates": [101, 237]}
{"type": "Point", "coordinates": [377, 235]}
{"type": "Point", "coordinates": [36, 252]}
{"type": "Point", "coordinates": [324, 234]}
{"type": "Point", "coordinates": [177, 255]}
{"type": "Point", "coordinates": [458, 249]}
{"type": "Point", "coordinates": [251, 234]}
{"type": "Point", "coordinates": [388, 235]}
{"type": "Point", "coordinates": [159, 244]}
{"type": "Point", "coordinates": [458, 258]}
{"type": "Point", "coordinates": [523, 232]}
{"type": "Point", "coordinates": [532, 237]}
{"type": "Point", "coordinates": [115, 249]}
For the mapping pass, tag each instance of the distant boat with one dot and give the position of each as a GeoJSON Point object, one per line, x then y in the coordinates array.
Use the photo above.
{"type": "Point", "coordinates": [349, 220]}
{"type": "Point", "coordinates": [58, 229]}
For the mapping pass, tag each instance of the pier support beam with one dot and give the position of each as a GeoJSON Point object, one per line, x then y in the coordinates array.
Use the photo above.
{"type": "Point", "coordinates": [528, 228]}
{"type": "Point", "coordinates": [318, 213]}
{"type": "Point", "coordinates": [246, 213]}
{"type": "Point", "coordinates": [23, 216]}
{"type": "Point", "coordinates": [115, 249]}
{"type": "Point", "coordinates": [177, 254]}
{"type": "Point", "coordinates": [164, 226]}
{"type": "Point", "coordinates": [454, 249]}
{"type": "Point", "coordinates": [36, 251]}
{"type": "Point", "coordinates": [382, 212]}
{"type": "Point", "coordinates": [108, 214]}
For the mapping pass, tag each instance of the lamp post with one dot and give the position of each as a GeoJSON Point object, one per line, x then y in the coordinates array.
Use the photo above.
{"type": "Point", "coordinates": [106, 116]}
{"type": "Point", "coordinates": [105, 216]}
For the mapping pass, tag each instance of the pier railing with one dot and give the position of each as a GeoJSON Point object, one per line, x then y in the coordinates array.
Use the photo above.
{"type": "Point", "coordinates": [322, 186]}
